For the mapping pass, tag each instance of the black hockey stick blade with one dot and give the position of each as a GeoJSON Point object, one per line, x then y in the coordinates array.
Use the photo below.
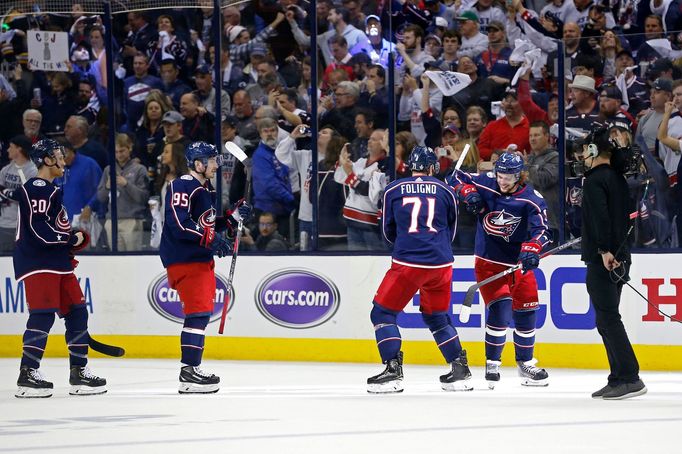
{"type": "Point", "coordinates": [105, 349]}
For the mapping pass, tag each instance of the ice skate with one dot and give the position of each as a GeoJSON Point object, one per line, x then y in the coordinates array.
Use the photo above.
{"type": "Point", "coordinates": [492, 372]}
{"type": "Point", "coordinates": [32, 384]}
{"type": "Point", "coordinates": [531, 375]}
{"type": "Point", "coordinates": [390, 380]}
{"type": "Point", "coordinates": [459, 378]}
{"type": "Point", "coordinates": [84, 383]}
{"type": "Point", "coordinates": [193, 380]}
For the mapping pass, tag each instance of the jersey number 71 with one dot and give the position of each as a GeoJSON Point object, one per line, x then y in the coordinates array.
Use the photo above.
{"type": "Point", "coordinates": [416, 203]}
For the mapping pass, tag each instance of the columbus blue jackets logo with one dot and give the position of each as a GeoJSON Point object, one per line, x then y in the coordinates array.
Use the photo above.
{"type": "Point", "coordinates": [575, 196]}
{"type": "Point", "coordinates": [501, 223]}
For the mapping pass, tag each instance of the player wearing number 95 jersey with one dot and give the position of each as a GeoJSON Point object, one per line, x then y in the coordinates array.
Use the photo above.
{"type": "Point", "coordinates": [43, 259]}
{"type": "Point", "coordinates": [419, 220]}
{"type": "Point", "coordinates": [188, 243]}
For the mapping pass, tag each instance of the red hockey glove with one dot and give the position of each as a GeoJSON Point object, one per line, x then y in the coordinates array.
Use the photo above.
{"type": "Point", "coordinates": [468, 194]}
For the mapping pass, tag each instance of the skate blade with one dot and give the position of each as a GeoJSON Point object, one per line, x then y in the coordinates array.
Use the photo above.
{"type": "Point", "coordinates": [194, 388]}
{"type": "Point", "coordinates": [25, 392]}
{"type": "Point", "coordinates": [82, 390]}
{"type": "Point", "coordinates": [536, 383]}
{"type": "Point", "coordinates": [459, 385]}
{"type": "Point", "coordinates": [395, 386]}
{"type": "Point", "coordinates": [491, 384]}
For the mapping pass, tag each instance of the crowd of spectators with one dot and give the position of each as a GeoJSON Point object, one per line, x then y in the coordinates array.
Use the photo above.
{"type": "Point", "coordinates": [622, 68]}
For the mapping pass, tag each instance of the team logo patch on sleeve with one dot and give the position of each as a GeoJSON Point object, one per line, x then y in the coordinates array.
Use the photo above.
{"type": "Point", "coordinates": [38, 183]}
{"type": "Point", "coordinates": [186, 177]}
{"type": "Point", "coordinates": [501, 223]}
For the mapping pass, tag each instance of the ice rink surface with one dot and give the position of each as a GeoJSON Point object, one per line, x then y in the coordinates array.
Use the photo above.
{"type": "Point", "coordinates": [266, 407]}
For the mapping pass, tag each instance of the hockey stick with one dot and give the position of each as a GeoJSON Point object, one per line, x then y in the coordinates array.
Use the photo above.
{"type": "Point", "coordinates": [461, 159]}
{"type": "Point", "coordinates": [105, 349]}
{"type": "Point", "coordinates": [471, 291]}
{"type": "Point", "coordinates": [238, 153]}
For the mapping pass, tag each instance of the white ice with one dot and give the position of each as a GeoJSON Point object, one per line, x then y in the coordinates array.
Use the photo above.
{"type": "Point", "coordinates": [275, 407]}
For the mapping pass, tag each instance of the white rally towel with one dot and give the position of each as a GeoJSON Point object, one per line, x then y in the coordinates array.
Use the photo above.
{"type": "Point", "coordinates": [663, 47]}
{"type": "Point", "coordinates": [449, 82]}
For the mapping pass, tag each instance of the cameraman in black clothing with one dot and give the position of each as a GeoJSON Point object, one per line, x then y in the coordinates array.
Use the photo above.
{"type": "Point", "coordinates": [606, 251]}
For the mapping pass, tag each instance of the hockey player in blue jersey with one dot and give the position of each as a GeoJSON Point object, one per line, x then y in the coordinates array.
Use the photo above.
{"type": "Point", "coordinates": [512, 228]}
{"type": "Point", "coordinates": [419, 220]}
{"type": "Point", "coordinates": [43, 260]}
{"type": "Point", "coordinates": [188, 243]}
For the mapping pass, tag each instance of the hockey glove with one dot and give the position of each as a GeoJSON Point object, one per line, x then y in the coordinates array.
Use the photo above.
{"type": "Point", "coordinates": [77, 244]}
{"type": "Point", "coordinates": [241, 211]}
{"type": "Point", "coordinates": [467, 193]}
{"type": "Point", "coordinates": [221, 246]}
{"type": "Point", "coordinates": [530, 256]}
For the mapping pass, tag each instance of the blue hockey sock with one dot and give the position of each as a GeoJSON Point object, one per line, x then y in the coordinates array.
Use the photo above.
{"type": "Point", "coordinates": [445, 335]}
{"type": "Point", "coordinates": [386, 332]}
{"type": "Point", "coordinates": [192, 339]}
{"type": "Point", "coordinates": [77, 337]}
{"type": "Point", "coordinates": [35, 338]}
{"type": "Point", "coordinates": [496, 326]}
{"type": "Point", "coordinates": [524, 334]}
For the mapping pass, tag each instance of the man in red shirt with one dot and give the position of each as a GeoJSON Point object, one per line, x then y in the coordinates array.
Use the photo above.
{"type": "Point", "coordinates": [512, 128]}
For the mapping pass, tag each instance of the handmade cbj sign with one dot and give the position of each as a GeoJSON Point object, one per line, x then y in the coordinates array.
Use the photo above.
{"type": "Point", "coordinates": [48, 51]}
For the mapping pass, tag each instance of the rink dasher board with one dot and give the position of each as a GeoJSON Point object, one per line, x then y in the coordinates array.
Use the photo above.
{"type": "Point", "coordinates": [316, 308]}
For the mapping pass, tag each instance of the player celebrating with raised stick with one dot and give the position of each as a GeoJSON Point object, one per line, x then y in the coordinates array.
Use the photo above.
{"type": "Point", "coordinates": [188, 243]}
{"type": "Point", "coordinates": [43, 259]}
{"type": "Point", "coordinates": [420, 217]}
{"type": "Point", "coordinates": [512, 228]}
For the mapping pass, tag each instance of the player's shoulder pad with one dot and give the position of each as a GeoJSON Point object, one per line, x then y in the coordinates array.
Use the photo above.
{"type": "Point", "coordinates": [39, 183]}
{"type": "Point", "coordinates": [535, 191]}
{"type": "Point", "coordinates": [186, 177]}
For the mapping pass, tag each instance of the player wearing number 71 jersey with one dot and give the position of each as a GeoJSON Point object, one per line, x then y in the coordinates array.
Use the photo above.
{"type": "Point", "coordinates": [419, 219]}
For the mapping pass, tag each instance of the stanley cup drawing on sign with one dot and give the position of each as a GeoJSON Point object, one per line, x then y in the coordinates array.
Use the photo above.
{"type": "Point", "coordinates": [48, 51]}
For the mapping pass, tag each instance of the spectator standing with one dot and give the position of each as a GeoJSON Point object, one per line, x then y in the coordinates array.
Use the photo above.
{"type": "Point", "coordinates": [510, 129]}
{"type": "Point", "coordinates": [136, 88]}
{"type": "Point", "coordinates": [32, 120]}
{"type": "Point", "coordinates": [339, 18]}
{"type": "Point", "coordinates": [542, 164]}
{"type": "Point", "coordinates": [57, 106]}
{"type": "Point", "coordinates": [206, 92]}
{"type": "Point", "coordinates": [271, 187]}
{"type": "Point", "coordinates": [172, 86]}
{"type": "Point", "coordinates": [661, 92]}
{"type": "Point", "coordinates": [76, 132]}
{"type": "Point", "coordinates": [473, 41]}
{"type": "Point", "coordinates": [11, 180]}
{"type": "Point", "coordinates": [132, 190]}
{"type": "Point", "coordinates": [79, 183]}
{"type": "Point", "coordinates": [198, 122]}
{"type": "Point", "coordinates": [360, 213]}
{"type": "Point", "coordinates": [411, 56]}
{"type": "Point", "coordinates": [339, 110]}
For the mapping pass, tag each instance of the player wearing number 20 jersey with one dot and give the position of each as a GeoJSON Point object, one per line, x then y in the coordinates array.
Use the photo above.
{"type": "Point", "coordinates": [419, 219]}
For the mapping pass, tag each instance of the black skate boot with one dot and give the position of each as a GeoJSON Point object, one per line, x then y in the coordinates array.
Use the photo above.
{"type": "Point", "coordinates": [32, 384]}
{"type": "Point", "coordinates": [193, 380]}
{"type": "Point", "coordinates": [492, 372]}
{"type": "Point", "coordinates": [390, 380]}
{"type": "Point", "coordinates": [459, 377]}
{"type": "Point", "coordinates": [84, 383]}
{"type": "Point", "coordinates": [531, 375]}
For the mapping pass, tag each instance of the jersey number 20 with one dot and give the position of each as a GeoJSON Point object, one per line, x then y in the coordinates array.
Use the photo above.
{"type": "Point", "coordinates": [416, 203]}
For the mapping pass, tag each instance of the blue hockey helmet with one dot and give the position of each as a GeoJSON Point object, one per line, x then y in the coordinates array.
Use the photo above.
{"type": "Point", "coordinates": [509, 163]}
{"type": "Point", "coordinates": [201, 151]}
{"type": "Point", "coordinates": [421, 158]}
{"type": "Point", "coordinates": [43, 149]}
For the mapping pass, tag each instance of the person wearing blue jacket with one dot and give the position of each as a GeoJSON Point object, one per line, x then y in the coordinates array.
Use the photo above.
{"type": "Point", "coordinates": [271, 187]}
